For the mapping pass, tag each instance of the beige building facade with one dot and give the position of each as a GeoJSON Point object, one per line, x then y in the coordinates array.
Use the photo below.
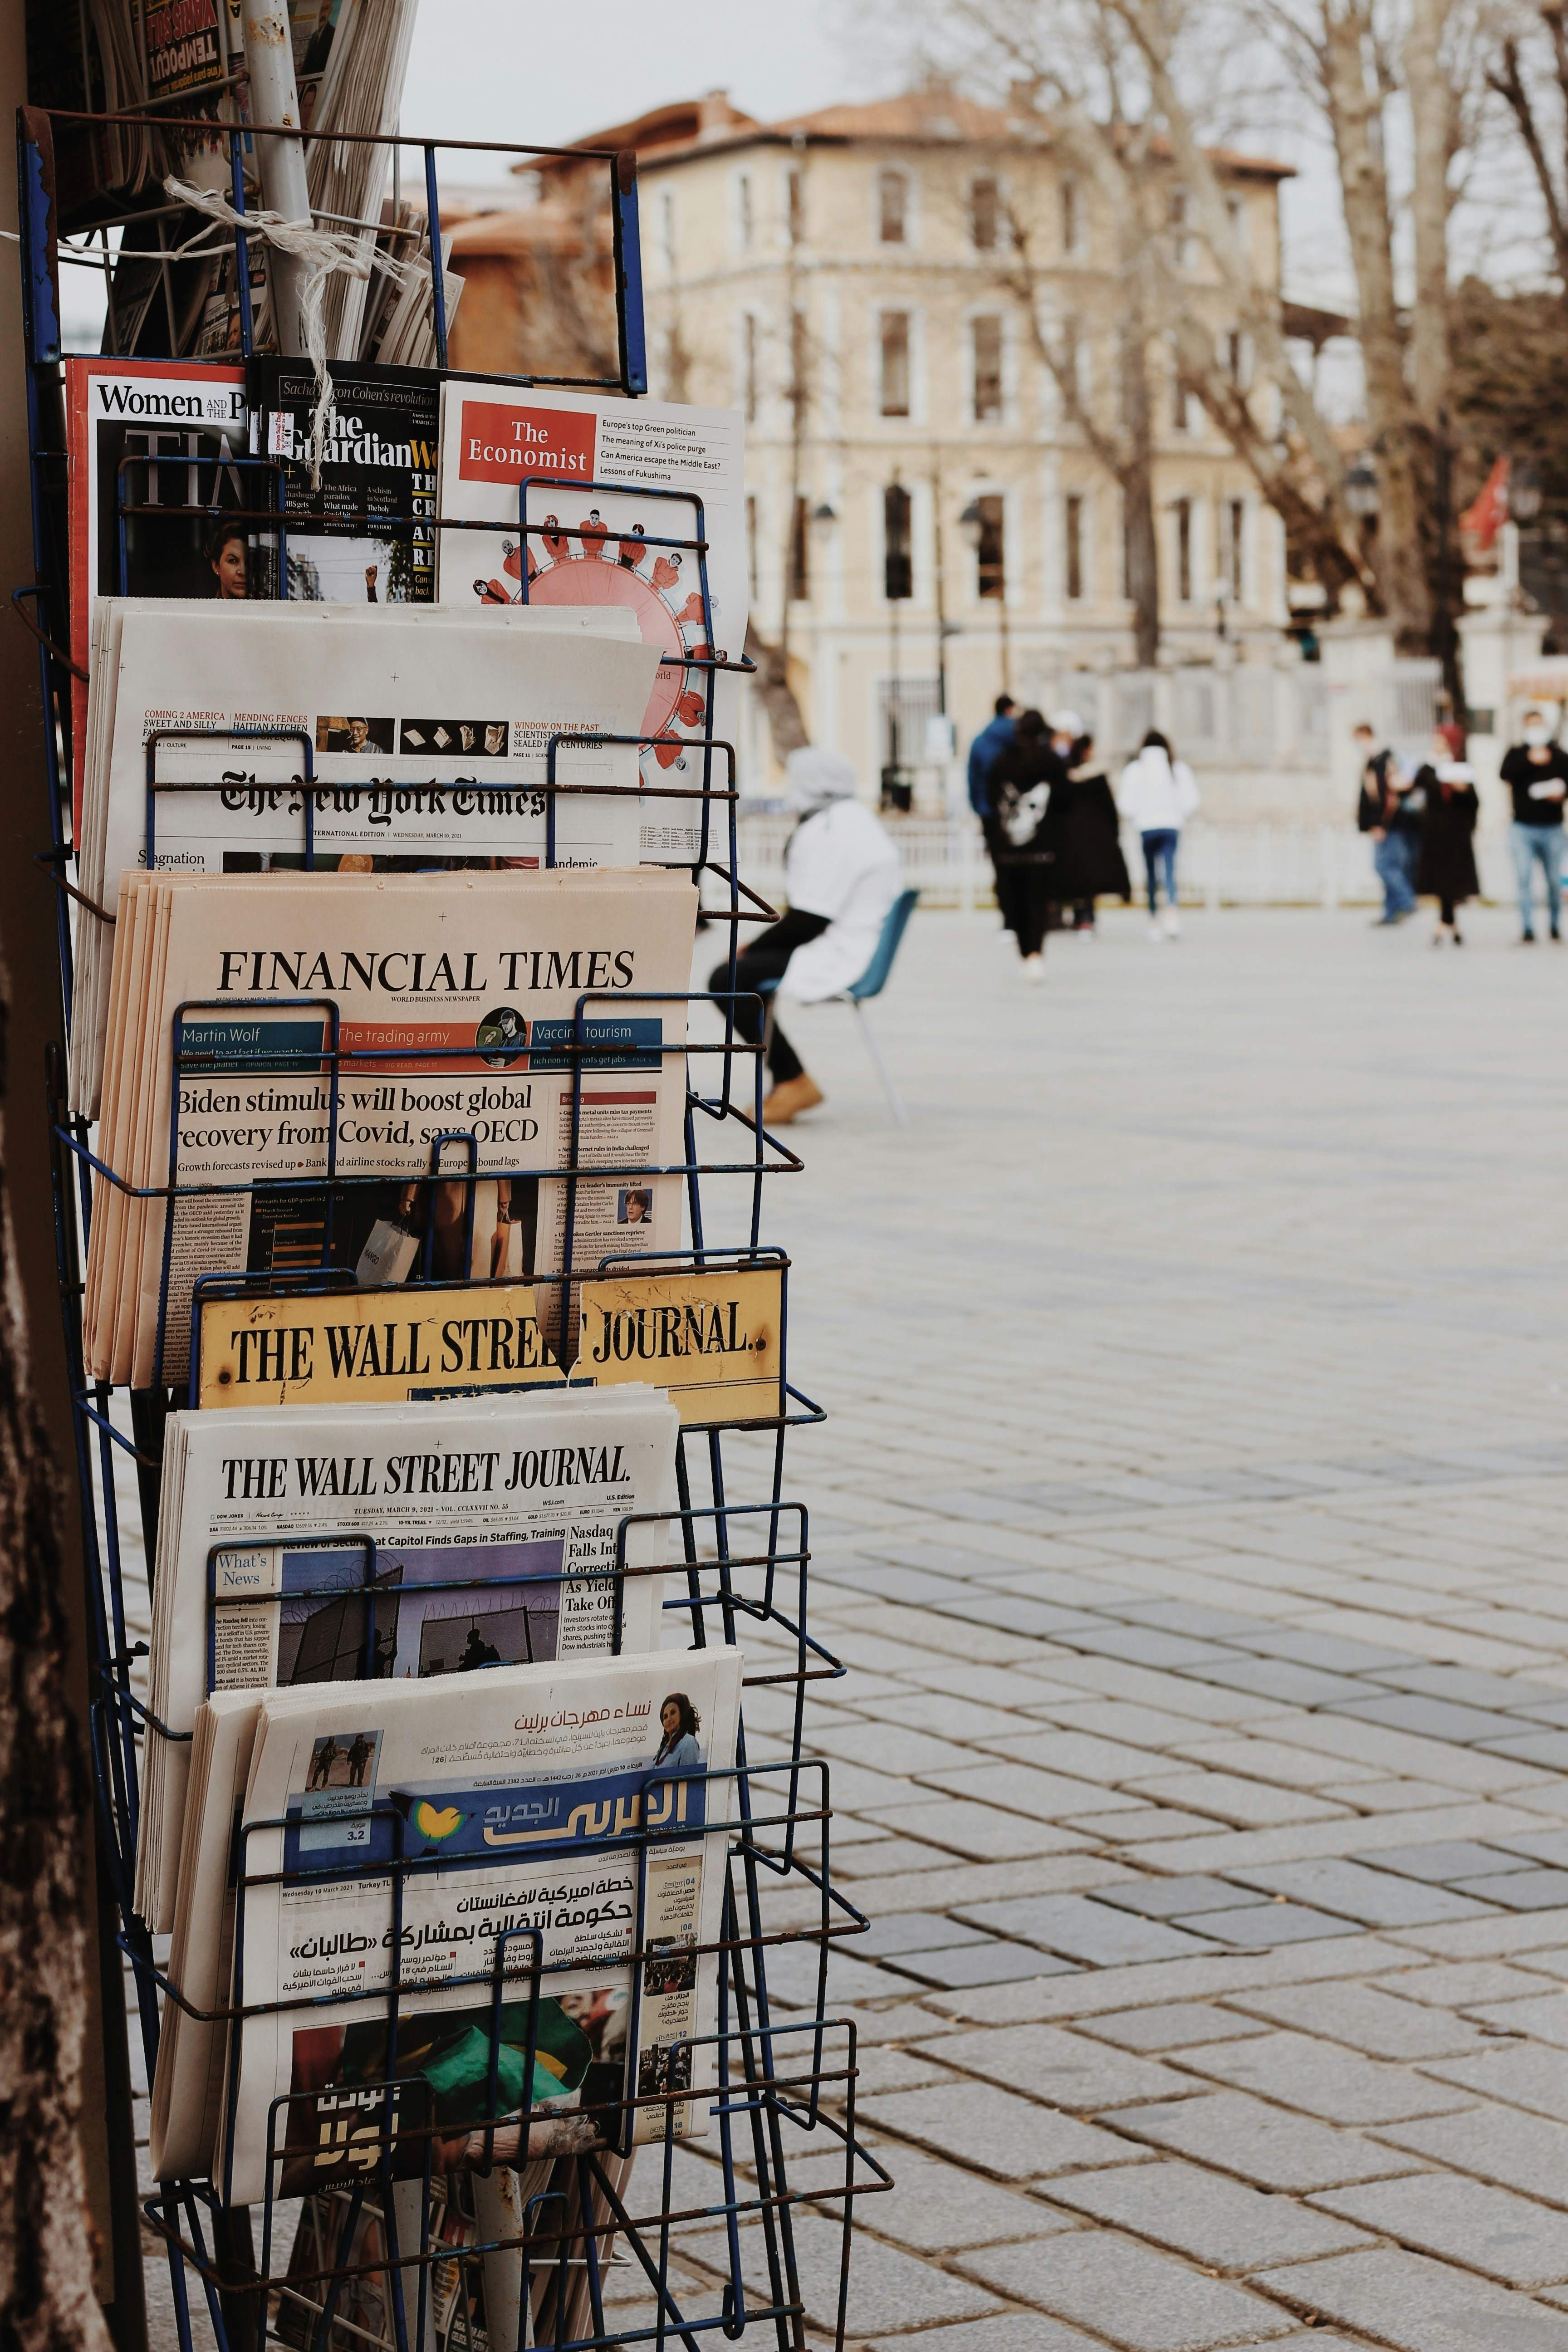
{"type": "Point", "coordinates": [873, 286]}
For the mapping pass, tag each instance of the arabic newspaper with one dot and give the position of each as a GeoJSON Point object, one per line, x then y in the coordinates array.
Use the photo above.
{"type": "Point", "coordinates": [559, 1762]}
{"type": "Point", "coordinates": [391, 1541]}
{"type": "Point", "coordinates": [597, 547]}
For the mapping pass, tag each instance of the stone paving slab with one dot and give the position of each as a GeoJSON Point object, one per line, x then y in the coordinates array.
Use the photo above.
{"type": "Point", "coordinates": [1135, 2298]}
{"type": "Point", "coordinates": [1480, 2229]}
{"type": "Point", "coordinates": [1222, 2224]}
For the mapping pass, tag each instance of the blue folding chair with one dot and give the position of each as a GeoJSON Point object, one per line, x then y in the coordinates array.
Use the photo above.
{"type": "Point", "coordinates": [871, 982]}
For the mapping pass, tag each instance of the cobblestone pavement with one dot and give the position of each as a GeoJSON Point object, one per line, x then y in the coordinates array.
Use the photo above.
{"type": "Point", "coordinates": [1189, 1521]}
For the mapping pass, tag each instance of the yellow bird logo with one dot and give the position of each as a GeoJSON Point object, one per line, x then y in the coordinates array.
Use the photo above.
{"type": "Point", "coordinates": [435, 1822]}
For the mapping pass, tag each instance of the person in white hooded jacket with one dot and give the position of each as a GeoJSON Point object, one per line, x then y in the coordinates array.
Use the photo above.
{"type": "Point", "coordinates": [1158, 794]}
{"type": "Point", "coordinates": [841, 877]}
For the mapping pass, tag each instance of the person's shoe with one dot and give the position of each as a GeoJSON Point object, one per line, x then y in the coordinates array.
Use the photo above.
{"type": "Point", "coordinates": [1456, 937]}
{"type": "Point", "coordinates": [1034, 968]}
{"type": "Point", "coordinates": [1385, 922]}
{"type": "Point", "coordinates": [1172, 924]}
{"type": "Point", "coordinates": [789, 1098]}
{"type": "Point", "coordinates": [1527, 938]}
{"type": "Point", "coordinates": [1156, 936]}
{"type": "Point", "coordinates": [1556, 936]}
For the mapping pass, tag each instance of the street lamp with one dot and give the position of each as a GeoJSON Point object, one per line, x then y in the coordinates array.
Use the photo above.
{"type": "Point", "coordinates": [1363, 496]}
{"type": "Point", "coordinates": [1524, 491]}
{"type": "Point", "coordinates": [823, 520]}
{"type": "Point", "coordinates": [971, 522]}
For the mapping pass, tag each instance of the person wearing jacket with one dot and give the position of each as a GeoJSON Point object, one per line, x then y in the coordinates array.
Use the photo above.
{"type": "Point", "coordinates": [1536, 773]}
{"type": "Point", "coordinates": [1030, 787]}
{"type": "Point", "coordinates": [1157, 793]}
{"type": "Point", "coordinates": [1389, 810]}
{"type": "Point", "coordinates": [1447, 870]}
{"type": "Point", "coordinates": [841, 876]}
{"type": "Point", "coordinates": [1089, 864]}
{"type": "Point", "coordinates": [986, 755]}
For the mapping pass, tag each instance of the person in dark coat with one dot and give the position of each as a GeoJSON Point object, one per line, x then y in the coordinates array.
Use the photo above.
{"type": "Point", "coordinates": [1447, 870]}
{"type": "Point", "coordinates": [985, 757]}
{"type": "Point", "coordinates": [1089, 864]}
{"type": "Point", "coordinates": [1029, 794]}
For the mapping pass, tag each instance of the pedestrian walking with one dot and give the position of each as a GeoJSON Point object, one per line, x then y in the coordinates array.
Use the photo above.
{"type": "Point", "coordinates": [842, 875]}
{"type": "Point", "coordinates": [1030, 785]}
{"type": "Point", "coordinates": [1388, 812]}
{"type": "Point", "coordinates": [1448, 868]}
{"type": "Point", "coordinates": [1089, 864]}
{"type": "Point", "coordinates": [984, 756]}
{"type": "Point", "coordinates": [1536, 773]}
{"type": "Point", "coordinates": [1158, 792]}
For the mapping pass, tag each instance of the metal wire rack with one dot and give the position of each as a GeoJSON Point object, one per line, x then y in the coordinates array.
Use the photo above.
{"type": "Point", "coordinates": [395, 2249]}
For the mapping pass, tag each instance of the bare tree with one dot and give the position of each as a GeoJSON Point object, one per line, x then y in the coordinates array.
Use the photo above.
{"type": "Point", "coordinates": [786, 725]}
{"type": "Point", "coordinates": [1529, 72]}
{"type": "Point", "coordinates": [47, 2299]}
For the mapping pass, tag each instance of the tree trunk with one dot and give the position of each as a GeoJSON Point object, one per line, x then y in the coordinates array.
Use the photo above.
{"type": "Point", "coordinates": [47, 2300]}
{"type": "Point", "coordinates": [1138, 492]}
{"type": "Point", "coordinates": [786, 728]}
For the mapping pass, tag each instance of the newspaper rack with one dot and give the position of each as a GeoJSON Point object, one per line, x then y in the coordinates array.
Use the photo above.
{"type": "Point", "coordinates": [403, 2241]}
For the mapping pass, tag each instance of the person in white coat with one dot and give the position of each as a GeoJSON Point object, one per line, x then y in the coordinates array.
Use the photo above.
{"type": "Point", "coordinates": [1158, 794]}
{"type": "Point", "coordinates": [841, 877]}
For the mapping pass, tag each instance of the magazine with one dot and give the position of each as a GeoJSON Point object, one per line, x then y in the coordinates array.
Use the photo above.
{"type": "Point", "coordinates": [361, 508]}
{"type": "Point", "coordinates": [457, 1000]}
{"type": "Point", "coordinates": [151, 433]}
{"type": "Point", "coordinates": [594, 547]}
{"type": "Point", "coordinates": [426, 737]}
{"type": "Point", "coordinates": [377, 1542]}
{"type": "Point", "coordinates": [556, 1762]}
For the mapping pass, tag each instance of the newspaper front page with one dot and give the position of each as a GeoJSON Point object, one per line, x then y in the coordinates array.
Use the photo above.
{"type": "Point", "coordinates": [598, 547]}
{"type": "Point", "coordinates": [493, 1523]}
{"type": "Point", "coordinates": [559, 1763]}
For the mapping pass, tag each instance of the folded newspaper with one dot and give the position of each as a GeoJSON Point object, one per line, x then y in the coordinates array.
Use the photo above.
{"type": "Point", "coordinates": [477, 1024]}
{"type": "Point", "coordinates": [560, 1890]}
{"type": "Point", "coordinates": [426, 733]}
{"type": "Point", "coordinates": [382, 1540]}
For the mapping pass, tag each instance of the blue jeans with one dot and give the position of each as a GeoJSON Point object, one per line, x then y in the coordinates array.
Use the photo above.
{"type": "Point", "coordinates": [1530, 842]}
{"type": "Point", "coordinates": [1394, 860]}
{"type": "Point", "coordinates": [1160, 857]}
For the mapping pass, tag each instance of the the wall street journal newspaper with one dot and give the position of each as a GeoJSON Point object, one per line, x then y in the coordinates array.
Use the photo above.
{"type": "Point", "coordinates": [517, 1798]}
{"type": "Point", "coordinates": [392, 1542]}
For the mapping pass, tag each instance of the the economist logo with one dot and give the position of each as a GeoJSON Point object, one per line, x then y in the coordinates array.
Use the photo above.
{"type": "Point", "coordinates": [502, 443]}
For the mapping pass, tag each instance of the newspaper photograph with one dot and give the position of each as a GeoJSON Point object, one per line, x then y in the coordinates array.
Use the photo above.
{"type": "Point", "coordinates": [385, 1542]}
{"type": "Point", "coordinates": [517, 1803]}
{"type": "Point", "coordinates": [601, 547]}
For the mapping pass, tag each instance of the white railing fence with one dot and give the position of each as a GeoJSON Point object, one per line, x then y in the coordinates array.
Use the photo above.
{"type": "Point", "coordinates": [1219, 865]}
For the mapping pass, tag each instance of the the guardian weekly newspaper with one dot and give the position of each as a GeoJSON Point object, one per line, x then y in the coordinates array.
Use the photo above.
{"type": "Point", "coordinates": [391, 1542]}
{"type": "Point", "coordinates": [517, 1799]}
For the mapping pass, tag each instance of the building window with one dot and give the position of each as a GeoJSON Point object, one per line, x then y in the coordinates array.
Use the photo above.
{"type": "Point", "coordinates": [1184, 550]}
{"type": "Point", "coordinates": [794, 199]}
{"type": "Point", "coordinates": [986, 215]}
{"type": "Point", "coordinates": [1235, 528]}
{"type": "Point", "coordinates": [1072, 218]}
{"type": "Point", "coordinates": [752, 544]}
{"type": "Point", "coordinates": [892, 207]}
{"type": "Point", "coordinates": [992, 551]}
{"type": "Point", "coordinates": [898, 555]}
{"type": "Point", "coordinates": [666, 228]}
{"type": "Point", "coordinates": [749, 365]}
{"type": "Point", "coordinates": [744, 211]}
{"type": "Point", "coordinates": [799, 390]}
{"type": "Point", "coordinates": [1178, 396]}
{"type": "Point", "coordinates": [1073, 549]}
{"type": "Point", "coordinates": [895, 339]}
{"type": "Point", "coordinates": [987, 333]}
{"type": "Point", "coordinates": [800, 550]}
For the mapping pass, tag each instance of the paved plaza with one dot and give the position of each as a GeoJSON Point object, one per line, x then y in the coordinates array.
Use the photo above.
{"type": "Point", "coordinates": [1189, 1520]}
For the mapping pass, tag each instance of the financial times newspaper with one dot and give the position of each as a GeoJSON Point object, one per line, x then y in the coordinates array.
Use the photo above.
{"type": "Point", "coordinates": [599, 546]}
{"type": "Point", "coordinates": [426, 734]}
{"type": "Point", "coordinates": [460, 995]}
{"type": "Point", "coordinates": [517, 1801]}
{"type": "Point", "coordinates": [402, 1541]}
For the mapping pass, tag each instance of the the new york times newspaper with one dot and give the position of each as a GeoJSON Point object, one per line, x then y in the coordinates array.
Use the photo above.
{"type": "Point", "coordinates": [516, 1802]}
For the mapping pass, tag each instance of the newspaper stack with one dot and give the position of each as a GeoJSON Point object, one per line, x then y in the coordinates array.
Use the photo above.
{"type": "Point", "coordinates": [468, 1533]}
{"type": "Point", "coordinates": [428, 732]}
{"type": "Point", "coordinates": [460, 993]}
{"type": "Point", "coordinates": [555, 1815]}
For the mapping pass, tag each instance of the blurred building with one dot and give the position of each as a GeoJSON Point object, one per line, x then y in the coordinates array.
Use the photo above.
{"type": "Point", "coordinates": [926, 524]}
